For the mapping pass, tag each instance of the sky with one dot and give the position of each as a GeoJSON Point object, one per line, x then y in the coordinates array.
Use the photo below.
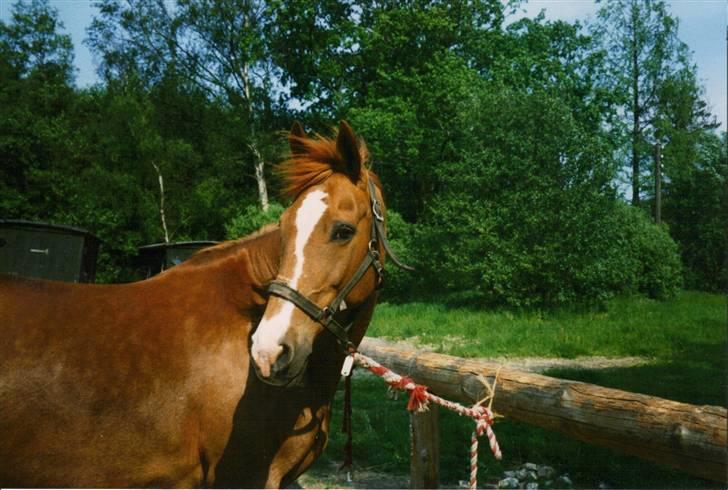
{"type": "Point", "coordinates": [702, 26]}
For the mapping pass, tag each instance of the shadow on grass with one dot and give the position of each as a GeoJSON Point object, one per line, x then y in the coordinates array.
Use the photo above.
{"type": "Point", "coordinates": [696, 374]}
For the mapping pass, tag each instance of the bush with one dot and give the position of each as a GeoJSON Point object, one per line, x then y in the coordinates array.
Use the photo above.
{"type": "Point", "coordinates": [653, 254]}
{"type": "Point", "coordinates": [533, 220]}
{"type": "Point", "coordinates": [597, 251]}
{"type": "Point", "coordinates": [251, 219]}
{"type": "Point", "coordinates": [398, 283]}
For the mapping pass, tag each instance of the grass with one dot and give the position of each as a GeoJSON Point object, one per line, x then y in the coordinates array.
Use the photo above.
{"type": "Point", "coordinates": [628, 327]}
{"type": "Point", "coordinates": [684, 339]}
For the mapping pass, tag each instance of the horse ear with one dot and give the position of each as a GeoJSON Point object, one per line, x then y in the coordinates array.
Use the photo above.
{"type": "Point", "coordinates": [294, 138]}
{"type": "Point", "coordinates": [348, 146]}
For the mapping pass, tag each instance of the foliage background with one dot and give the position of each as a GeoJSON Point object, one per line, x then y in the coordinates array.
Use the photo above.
{"type": "Point", "coordinates": [500, 147]}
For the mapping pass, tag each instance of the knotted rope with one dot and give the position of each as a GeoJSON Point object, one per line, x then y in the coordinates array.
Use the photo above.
{"type": "Point", "coordinates": [419, 398]}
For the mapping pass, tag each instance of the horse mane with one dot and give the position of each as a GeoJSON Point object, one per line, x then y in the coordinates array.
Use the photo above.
{"type": "Point", "coordinates": [221, 250]}
{"type": "Point", "coordinates": [312, 161]}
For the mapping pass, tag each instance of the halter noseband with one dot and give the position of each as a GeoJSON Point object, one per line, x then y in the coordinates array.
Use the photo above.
{"type": "Point", "coordinates": [325, 315]}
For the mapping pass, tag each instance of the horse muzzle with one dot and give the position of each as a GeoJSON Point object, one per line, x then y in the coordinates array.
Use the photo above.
{"type": "Point", "coordinates": [278, 365]}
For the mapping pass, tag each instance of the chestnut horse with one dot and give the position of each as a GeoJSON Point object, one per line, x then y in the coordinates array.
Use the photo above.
{"type": "Point", "coordinates": [152, 383]}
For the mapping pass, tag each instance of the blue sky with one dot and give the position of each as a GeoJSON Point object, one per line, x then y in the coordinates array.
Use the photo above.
{"type": "Point", "coordinates": [702, 28]}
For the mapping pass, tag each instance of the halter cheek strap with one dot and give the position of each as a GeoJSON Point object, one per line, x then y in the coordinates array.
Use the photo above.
{"type": "Point", "coordinates": [325, 315]}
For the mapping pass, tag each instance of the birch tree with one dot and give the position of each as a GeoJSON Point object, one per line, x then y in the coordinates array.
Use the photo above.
{"type": "Point", "coordinates": [219, 46]}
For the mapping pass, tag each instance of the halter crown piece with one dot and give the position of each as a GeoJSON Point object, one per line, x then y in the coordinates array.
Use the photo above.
{"type": "Point", "coordinates": [325, 315]}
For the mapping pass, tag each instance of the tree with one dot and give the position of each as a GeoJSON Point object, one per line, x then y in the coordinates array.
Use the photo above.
{"type": "Point", "coordinates": [529, 217]}
{"type": "Point", "coordinates": [220, 47]}
{"type": "Point", "coordinates": [643, 52]}
{"type": "Point", "coordinates": [503, 167]}
{"type": "Point", "coordinates": [408, 81]}
{"type": "Point", "coordinates": [696, 206]}
{"type": "Point", "coordinates": [410, 114]}
{"type": "Point", "coordinates": [32, 42]}
{"type": "Point", "coordinates": [683, 120]}
{"type": "Point", "coordinates": [35, 96]}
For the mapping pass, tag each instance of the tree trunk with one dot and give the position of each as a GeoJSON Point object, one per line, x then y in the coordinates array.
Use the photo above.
{"type": "Point", "coordinates": [658, 184]}
{"type": "Point", "coordinates": [161, 202]}
{"type": "Point", "coordinates": [260, 177]}
{"type": "Point", "coordinates": [635, 111]}
{"type": "Point", "coordinates": [259, 164]}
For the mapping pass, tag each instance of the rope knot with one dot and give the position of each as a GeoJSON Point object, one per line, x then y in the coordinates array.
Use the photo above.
{"type": "Point", "coordinates": [418, 400]}
{"type": "Point", "coordinates": [483, 419]}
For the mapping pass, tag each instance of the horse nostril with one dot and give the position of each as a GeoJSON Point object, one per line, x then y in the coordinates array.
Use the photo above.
{"type": "Point", "coordinates": [284, 359]}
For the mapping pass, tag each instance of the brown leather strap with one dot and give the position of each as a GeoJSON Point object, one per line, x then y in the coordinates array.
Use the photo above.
{"type": "Point", "coordinates": [325, 316]}
{"type": "Point", "coordinates": [378, 228]}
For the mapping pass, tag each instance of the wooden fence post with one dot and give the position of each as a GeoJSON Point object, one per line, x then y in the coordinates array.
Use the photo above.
{"type": "Point", "coordinates": [425, 457]}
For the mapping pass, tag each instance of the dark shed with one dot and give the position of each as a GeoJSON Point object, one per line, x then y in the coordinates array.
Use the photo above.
{"type": "Point", "coordinates": [46, 251]}
{"type": "Point", "coordinates": [158, 257]}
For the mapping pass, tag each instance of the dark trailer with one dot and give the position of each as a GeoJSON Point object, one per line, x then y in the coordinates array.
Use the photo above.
{"type": "Point", "coordinates": [155, 258]}
{"type": "Point", "coordinates": [46, 251]}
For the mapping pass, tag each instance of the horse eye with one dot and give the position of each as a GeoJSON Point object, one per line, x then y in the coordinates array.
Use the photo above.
{"type": "Point", "coordinates": [342, 233]}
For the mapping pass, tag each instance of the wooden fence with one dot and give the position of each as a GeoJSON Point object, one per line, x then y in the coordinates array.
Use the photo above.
{"type": "Point", "coordinates": [687, 437]}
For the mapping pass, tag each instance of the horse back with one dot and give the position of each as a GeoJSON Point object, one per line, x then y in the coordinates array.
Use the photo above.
{"type": "Point", "coordinates": [98, 379]}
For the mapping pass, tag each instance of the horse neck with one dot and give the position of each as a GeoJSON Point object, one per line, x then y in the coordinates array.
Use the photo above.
{"type": "Point", "coordinates": [241, 268]}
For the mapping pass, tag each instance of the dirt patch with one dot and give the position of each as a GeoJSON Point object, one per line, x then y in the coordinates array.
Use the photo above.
{"type": "Point", "coordinates": [534, 364]}
{"type": "Point", "coordinates": [360, 478]}
{"type": "Point", "coordinates": [541, 364]}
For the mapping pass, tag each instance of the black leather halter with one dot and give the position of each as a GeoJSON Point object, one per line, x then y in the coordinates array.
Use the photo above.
{"type": "Point", "coordinates": [325, 315]}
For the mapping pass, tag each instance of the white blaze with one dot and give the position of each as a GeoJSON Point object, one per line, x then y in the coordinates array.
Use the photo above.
{"type": "Point", "coordinates": [271, 330]}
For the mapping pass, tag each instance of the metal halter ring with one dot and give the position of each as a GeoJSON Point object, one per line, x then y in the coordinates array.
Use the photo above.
{"type": "Point", "coordinates": [377, 210]}
{"type": "Point", "coordinates": [373, 248]}
{"type": "Point", "coordinates": [326, 315]}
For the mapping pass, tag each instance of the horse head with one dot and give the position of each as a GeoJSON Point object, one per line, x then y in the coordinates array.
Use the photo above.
{"type": "Point", "coordinates": [331, 252]}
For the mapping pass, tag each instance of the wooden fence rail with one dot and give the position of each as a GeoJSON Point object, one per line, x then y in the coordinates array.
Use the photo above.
{"type": "Point", "coordinates": [688, 437]}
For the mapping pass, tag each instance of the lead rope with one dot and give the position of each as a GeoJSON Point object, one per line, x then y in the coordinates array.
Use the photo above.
{"type": "Point", "coordinates": [346, 429]}
{"type": "Point", "coordinates": [418, 402]}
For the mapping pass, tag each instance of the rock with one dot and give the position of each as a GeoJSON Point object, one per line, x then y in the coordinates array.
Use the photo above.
{"type": "Point", "coordinates": [546, 472]}
{"type": "Point", "coordinates": [563, 482]}
{"type": "Point", "coordinates": [532, 486]}
{"type": "Point", "coordinates": [603, 486]}
{"type": "Point", "coordinates": [509, 474]}
{"type": "Point", "coordinates": [522, 474]}
{"type": "Point", "coordinates": [508, 483]}
{"type": "Point", "coordinates": [530, 466]}
{"type": "Point", "coordinates": [548, 484]}
{"type": "Point", "coordinates": [532, 476]}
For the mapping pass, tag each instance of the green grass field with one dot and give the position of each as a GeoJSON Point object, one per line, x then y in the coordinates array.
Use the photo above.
{"type": "Point", "coordinates": [684, 340]}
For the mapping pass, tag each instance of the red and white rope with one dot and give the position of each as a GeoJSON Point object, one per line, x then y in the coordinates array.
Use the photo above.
{"type": "Point", "coordinates": [419, 399]}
